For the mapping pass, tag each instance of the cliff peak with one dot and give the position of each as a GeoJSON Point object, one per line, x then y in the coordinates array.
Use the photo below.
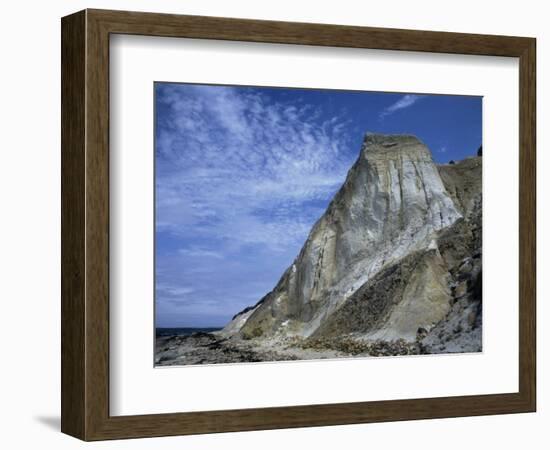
{"type": "Point", "coordinates": [394, 147]}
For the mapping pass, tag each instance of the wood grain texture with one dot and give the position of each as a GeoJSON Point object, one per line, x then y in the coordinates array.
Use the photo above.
{"type": "Point", "coordinates": [97, 225]}
{"type": "Point", "coordinates": [151, 24]}
{"type": "Point", "coordinates": [73, 227]}
{"type": "Point", "coordinates": [527, 224]}
{"type": "Point", "coordinates": [85, 224]}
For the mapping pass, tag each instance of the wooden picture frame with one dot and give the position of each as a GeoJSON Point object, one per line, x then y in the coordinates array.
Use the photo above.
{"type": "Point", "coordinates": [85, 224]}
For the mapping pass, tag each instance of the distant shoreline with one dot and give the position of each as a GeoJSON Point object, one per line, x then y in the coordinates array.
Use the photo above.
{"type": "Point", "coordinates": [183, 331]}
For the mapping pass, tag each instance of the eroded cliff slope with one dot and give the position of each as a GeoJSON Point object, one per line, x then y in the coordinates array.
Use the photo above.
{"type": "Point", "coordinates": [382, 263]}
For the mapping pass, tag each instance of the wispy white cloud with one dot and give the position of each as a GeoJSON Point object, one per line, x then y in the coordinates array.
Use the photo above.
{"type": "Point", "coordinates": [228, 161]}
{"type": "Point", "coordinates": [404, 102]}
{"type": "Point", "coordinates": [443, 149]}
{"type": "Point", "coordinates": [200, 253]}
{"type": "Point", "coordinates": [176, 291]}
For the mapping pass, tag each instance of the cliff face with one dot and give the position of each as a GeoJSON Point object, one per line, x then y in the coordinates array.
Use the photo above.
{"type": "Point", "coordinates": [372, 265]}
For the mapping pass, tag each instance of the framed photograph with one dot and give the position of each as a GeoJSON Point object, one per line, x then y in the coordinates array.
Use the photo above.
{"type": "Point", "coordinates": [273, 225]}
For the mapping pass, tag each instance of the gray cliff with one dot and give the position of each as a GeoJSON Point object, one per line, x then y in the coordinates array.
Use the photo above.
{"type": "Point", "coordinates": [380, 263]}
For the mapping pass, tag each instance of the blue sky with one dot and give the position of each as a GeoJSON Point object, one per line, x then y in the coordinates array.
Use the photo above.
{"type": "Point", "coordinates": [242, 173]}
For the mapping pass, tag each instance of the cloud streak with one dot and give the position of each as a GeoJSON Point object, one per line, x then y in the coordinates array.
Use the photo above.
{"type": "Point", "coordinates": [404, 102]}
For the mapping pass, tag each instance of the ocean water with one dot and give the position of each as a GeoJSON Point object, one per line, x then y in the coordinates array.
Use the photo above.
{"type": "Point", "coordinates": [182, 331]}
